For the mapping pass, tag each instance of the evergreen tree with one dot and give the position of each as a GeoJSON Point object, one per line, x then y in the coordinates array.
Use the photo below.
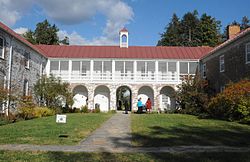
{"type": "Point", "coordinates": [45, 33]}
{"type": "Point", "coordinates": [172, 35]}
{"type": "Point", "coordinates": [245, 23]}
{"type": "Point", "coordinates": [209, 31]}
{"type": "Point", "coordinates": [29, 36]}
{"type": "Point", "coordinates": [189, 29]}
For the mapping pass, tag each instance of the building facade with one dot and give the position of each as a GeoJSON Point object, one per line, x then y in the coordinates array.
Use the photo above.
{"type": "Point", "coordinates": [21, 64]}
{"type": "Point", "coordinates": [96, 73]}
{"type": "Point", "coordinates": [229, 62]}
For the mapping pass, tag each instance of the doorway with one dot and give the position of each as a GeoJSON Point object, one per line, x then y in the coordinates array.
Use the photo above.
{"type": "Point", "coordinates": [123, 98]}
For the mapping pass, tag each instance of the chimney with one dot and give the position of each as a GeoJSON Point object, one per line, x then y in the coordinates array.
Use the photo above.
{"type": "Point", "coordinates": [232, 31]}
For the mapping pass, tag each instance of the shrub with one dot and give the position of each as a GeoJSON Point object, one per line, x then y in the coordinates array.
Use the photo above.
{"type": "Point", "coordinates": [233, 103]}
{"type": "Point", "coordinates": [96, 110]}
{"type": "Point", "coordinates": [26, 112]}
{"type": "Point", "coordinates": [85, 109]}
{"type": "Point", "coordinates": [42, 112]}
{"type": "Point", "coordinates": [191, 96]}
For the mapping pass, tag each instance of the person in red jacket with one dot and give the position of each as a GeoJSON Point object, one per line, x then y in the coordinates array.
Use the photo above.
{"type": "Point", "coordinates": [148, 105]}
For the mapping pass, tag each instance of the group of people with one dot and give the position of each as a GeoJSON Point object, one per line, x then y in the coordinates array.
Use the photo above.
{"type": "Point", "coordinates": [147, 105]}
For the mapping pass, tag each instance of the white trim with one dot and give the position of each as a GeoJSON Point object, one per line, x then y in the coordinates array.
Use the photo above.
{"type": "Point", "coordinates": [3, 47]}
{"type": "Point", "coordinates": [222, 63]}
{"type": "Point", "coordinates": [247, 53]}
{"type": "Point", "coordinates": [27, 60]}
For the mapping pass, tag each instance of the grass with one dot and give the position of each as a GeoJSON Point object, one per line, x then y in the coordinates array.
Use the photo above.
{"type": "Point", "coordinates": [45, 131]}
{"type": "Point", "coordinates": [9, 156]}
{"type": "Point", "coordinates": [179, 130]}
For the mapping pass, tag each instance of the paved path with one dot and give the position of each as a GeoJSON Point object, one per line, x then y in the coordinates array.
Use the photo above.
{"type": "Point", "coordinates": [115, 136]}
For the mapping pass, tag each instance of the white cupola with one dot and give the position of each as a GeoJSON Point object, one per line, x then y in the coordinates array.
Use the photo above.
{"type": "Point", "coordinates": [124, 38]}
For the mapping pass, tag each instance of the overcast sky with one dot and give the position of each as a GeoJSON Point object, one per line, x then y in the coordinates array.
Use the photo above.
{"type": "Point", "coordinates": [97, 22]}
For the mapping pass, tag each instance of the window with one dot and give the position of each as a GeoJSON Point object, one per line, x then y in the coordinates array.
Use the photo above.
{"type": "Point", "coordinates": [184, 67]}
{"type": "Point", "coordinates": [204, 70]}
{"type": "Point", "coordinates": [222, 88]}
{"type": "Point", "coordinates": [26, 88]}
{"type": "Point", "coordinates": [1, 47]}
{"type": "Point", "coordinates": [27, 60]}
{"type": "Point", "coordinates": [222, 64]}
{"type": "Point", "coordinates": [54, 67]}
{"type": "Point", "coordinates": [247, 53]}
{"type": "Point", "coordinates": [192, 67]}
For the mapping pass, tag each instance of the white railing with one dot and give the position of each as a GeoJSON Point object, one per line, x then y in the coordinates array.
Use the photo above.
{"type": "Point", "coordinates": [118, 77]}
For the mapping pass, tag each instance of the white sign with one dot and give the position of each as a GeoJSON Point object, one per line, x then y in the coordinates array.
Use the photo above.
{"type": "Point", "coordinates": [61, 118]}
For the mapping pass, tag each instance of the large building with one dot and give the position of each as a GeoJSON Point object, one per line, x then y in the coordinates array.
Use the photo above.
{"type": "Point", "coordinates": [98, 73]}
{"type": "Point", "coordinates": [21, 64]}
{"type": "Point", "coordinates": [228, 62]}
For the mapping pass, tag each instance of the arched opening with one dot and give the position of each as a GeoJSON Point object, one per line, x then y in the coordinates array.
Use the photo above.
{"type": "Point", "coordinates": [146, 92]}
{"type": "Point", "coordinates": [123, 98]}
{"type": "Point", "coordinates": [167, 98]}
{"type": "Point", "coordinates": [124, 38]}
{"type": "Point", "coordinates": [102, 98]}
{"type": "Point", "coordinates": [80, 98]}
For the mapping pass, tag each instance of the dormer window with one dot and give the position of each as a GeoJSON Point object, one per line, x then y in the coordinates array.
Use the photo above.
{"type": "Point", "coordinates": [1, 47]}
{"type": "Point", "coordinates": [27, 60]}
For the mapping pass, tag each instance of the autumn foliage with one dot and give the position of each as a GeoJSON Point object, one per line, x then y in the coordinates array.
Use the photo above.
{"type": "Point", "coordinates": [233, 103]}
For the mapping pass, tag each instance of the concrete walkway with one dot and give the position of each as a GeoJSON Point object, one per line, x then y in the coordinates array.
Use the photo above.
{"type": "Point", "coordinates": [115, 136]}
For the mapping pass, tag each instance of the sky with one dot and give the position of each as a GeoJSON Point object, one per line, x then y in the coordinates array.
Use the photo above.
{"type": "Point", "coordinates": [97, 22]}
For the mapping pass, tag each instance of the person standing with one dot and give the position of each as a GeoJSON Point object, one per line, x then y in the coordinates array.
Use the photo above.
{"type": "Point", "coordinates": [148, 105]}
{"type": "Point", "coordinates": [126, 106]}
{"type": "Point", "coordinates": [139, 105]}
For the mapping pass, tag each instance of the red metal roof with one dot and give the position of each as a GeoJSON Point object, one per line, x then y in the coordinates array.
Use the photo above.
{"type": "Point", "coordinates": [144, 52]}
{"type": "Point", "coordinates": [20, 38]}
{"type": "Point", "coordinates": [124, 30]}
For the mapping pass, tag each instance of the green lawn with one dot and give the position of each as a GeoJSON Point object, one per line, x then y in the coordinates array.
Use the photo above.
{"type": "Point", "coordinates": [10, 156]}
{"type": "Point", "coordinates": [178, 130]}
{"type": "Point", "coordinates": [46, 131]}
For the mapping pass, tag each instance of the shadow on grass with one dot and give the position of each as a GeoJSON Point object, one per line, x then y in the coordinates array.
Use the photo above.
{"type": "Point", "coordinates": [191, 135]}
{"type": "Point", "coordinates": [138, 157]}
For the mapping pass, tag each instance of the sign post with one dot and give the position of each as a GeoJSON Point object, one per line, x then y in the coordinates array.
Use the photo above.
{"type": "Point", "coordinates": [61, 119]}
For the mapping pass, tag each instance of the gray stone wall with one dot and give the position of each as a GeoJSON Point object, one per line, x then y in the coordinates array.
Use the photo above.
{"type": "Point", "coordinates": [19, 73]}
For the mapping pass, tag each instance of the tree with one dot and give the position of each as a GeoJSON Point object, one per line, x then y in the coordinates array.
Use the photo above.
{"type": "Point", "coordinates": [45, 33]}
{"type": "Point", "coordinates": [191, 31]}
{"type": "Point", "coordinates": [29, 36]}
{"type": "Point", "coordinates": [192, 96]}
{"type": "Point", "coordinates": [52, 92]}
{"type": "Point", "coordinates": [209, 31]}
{"type": "Point", "coordinates": [244, 23]}
{"type": "Point", "coordinates": [172, 35]}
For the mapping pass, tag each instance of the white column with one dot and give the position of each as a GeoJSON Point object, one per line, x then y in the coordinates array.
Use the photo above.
{"type": "Point", "coordinates": [135, 70]}
{"type": "Point", "coordinates": [156, 70]}
{"type": "Point", "coordinates": [113, 70]}
{"type": "Point", "coordinates": [47, 68]}
{"type": "Point", "coordinates": [70, 71]}
{"type": "Point", "coordinates": [178, 71]}
{"type": "Point", "coordinates": [91, 69]}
